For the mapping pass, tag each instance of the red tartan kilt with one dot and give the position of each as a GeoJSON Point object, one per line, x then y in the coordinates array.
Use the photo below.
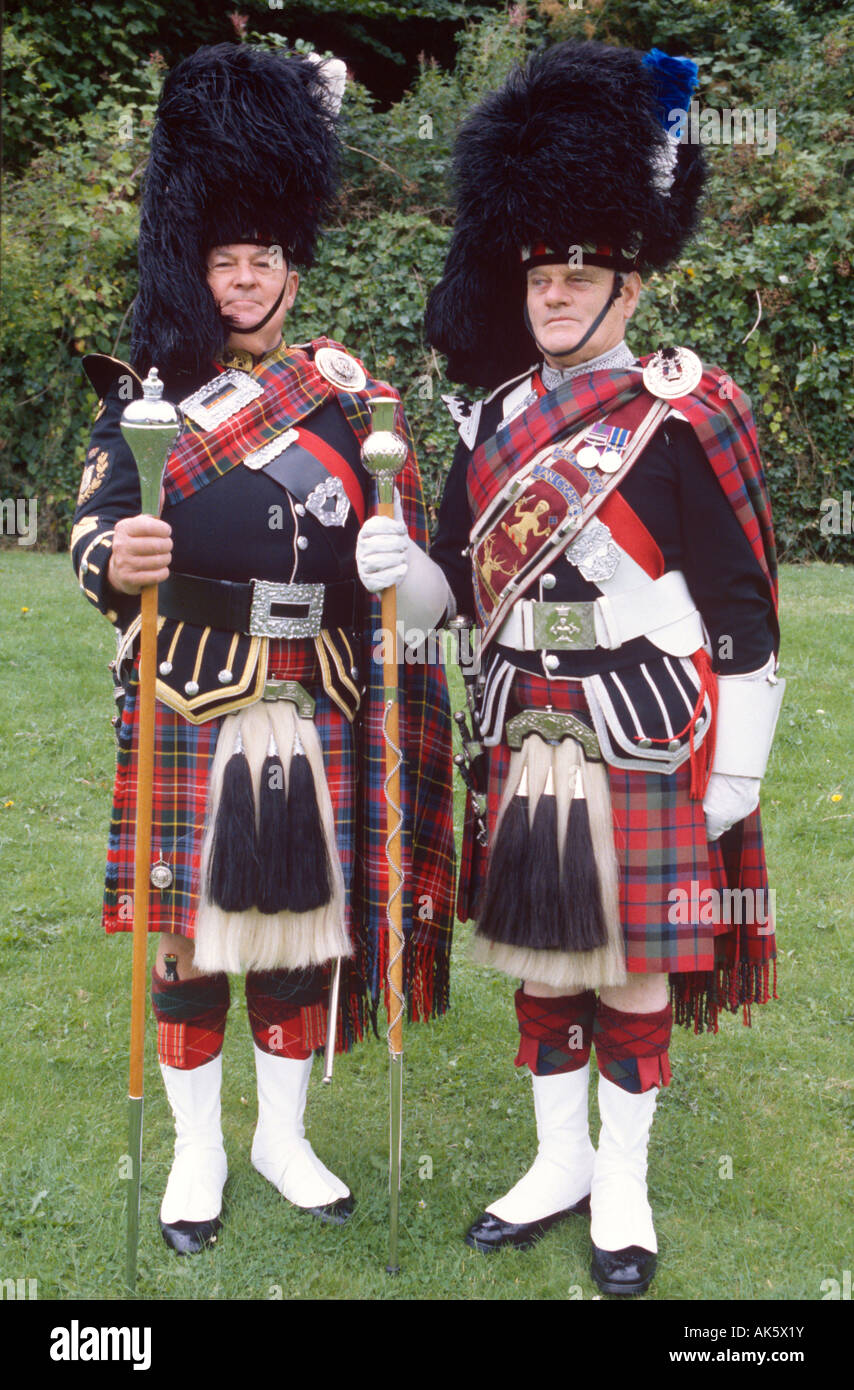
{"type": "Point", "coordinates": [661, 846]}
{"type": "Point", "coordinates": [184, 754]}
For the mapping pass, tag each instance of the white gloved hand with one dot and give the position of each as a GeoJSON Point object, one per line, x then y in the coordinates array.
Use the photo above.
{"type": "Point", "coordinates": [382, 550]}
{"type": "Point", "coordinates": [728, 799]}
{"type": "Point", "coordinates": [387, 555]}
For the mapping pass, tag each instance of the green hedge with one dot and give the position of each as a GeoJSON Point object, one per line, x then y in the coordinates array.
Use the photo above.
{"type": "Point", "coordinates": [777, 234]}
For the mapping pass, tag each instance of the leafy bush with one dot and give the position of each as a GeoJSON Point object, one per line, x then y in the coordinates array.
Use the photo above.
{"type": "Point", "coordinates": [69, 251]}
{"type": "Point", "coordinates": [777, 235]}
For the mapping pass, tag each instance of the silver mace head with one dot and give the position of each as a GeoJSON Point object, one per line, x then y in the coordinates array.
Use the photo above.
{"type": "Point", "coordinates": [384, 451]}
{"type": "Point", "coordinates": [150, 427]}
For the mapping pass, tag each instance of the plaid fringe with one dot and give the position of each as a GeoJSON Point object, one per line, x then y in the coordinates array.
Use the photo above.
{"type": "Point", "coordinates": [699, 999]}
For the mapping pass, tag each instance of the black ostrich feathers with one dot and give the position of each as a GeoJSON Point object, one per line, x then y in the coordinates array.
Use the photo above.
{"type": "Point", "coordinates": [567, 153]}
{"type": "Point", "coordinates": [245, 149]}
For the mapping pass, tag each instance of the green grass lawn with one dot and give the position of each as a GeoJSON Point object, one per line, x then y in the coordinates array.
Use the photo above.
{"type": "Point", "coordinates": [776, 1100]}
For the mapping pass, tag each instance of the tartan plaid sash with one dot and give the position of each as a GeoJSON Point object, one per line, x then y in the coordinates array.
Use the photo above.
{"type": "Point", "coordinates": [527, 534]}
{"type": "Point", "coordinates": [425, 729]}
{"type": "Point", "coordinates": [293, 388]}
{"type": "Point", "coordinates": [718, 411]}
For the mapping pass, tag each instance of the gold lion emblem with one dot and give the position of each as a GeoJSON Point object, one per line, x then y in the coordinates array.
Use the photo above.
{"type": "Point", "coordinates": [527, 523]}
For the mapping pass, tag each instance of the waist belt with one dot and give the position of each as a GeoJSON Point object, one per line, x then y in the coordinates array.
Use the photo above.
{"type": "Point", "coordinates": [608, 621]}
{"type": "Point", "coordinates": [260, 608]}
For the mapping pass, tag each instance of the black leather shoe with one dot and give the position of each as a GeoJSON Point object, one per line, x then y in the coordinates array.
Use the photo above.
{"type": "Point", "coordinates": [189, 1237]}
{"type": "Point", "coordinates": [334, 1213]}
{"type": "Point", "coordinates": [624, 1271]}
{"type": "Point", "coordinates": [491, 1233]}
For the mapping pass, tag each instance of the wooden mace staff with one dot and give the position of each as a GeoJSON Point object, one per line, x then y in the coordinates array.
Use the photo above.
{"type": "Point", "coordinates": [150, 427]}
{"type": "Point", "coordinates": [384, 454]}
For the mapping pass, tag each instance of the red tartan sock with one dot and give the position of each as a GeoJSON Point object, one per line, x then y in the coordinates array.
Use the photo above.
{"type": "Point", "coordinates": [275, 1020]}
{"type": "Point", "coordinates": [631, 1049]}
{"type": "Point", "coordinates": [554, 1033]}
{"type": "Point", "coordinates": [190, 1017]}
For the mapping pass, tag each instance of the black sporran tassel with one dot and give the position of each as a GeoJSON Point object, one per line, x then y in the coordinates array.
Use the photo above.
{"type": "Point", "coordinates": [272, 894]}
{"type": "Point", "coordinates": [542, 924]}
{"type": "Point", "coordinates": [233, 864]}
{"type": "Point", "coordinates": [503, 906]}
{"type": "Point", "coordinates": [309, 881]}
{"type": "Point", "coordinates": [583, 916]}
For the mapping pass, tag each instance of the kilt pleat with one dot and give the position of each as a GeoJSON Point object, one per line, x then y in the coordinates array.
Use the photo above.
{"type": "Point", "coordinates": [183, 759]}
{"type": "Point", "coordinates": [664, 859]}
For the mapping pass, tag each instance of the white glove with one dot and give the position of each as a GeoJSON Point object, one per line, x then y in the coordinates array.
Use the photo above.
{"type": "Point", "coordinates": [382, 550]}
{"type": "Point", "coordinates": [728, 800]}
{"type": "Point", "coordinates": [748, 707]}
{"type": "Point", "coordinates": [386, 555]}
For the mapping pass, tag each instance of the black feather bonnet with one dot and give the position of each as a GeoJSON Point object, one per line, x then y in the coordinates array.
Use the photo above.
{"type": "Point", "coordinates": [573, 151]}
{"type": "Point", "coordinates": [245, 149]}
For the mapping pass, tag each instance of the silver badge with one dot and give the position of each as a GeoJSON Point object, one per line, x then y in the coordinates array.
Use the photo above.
{"type": "Point", "coordinates": [161, 874]}
{"type": "Point", "coordinates": [340, 369]}
{"type": "Point", "coordinates": [594, 553]}
{"type": "Point", "coordinates": [672, 372]}
{"type": "Point", "coordinates": [329, 502]}
{"type": "Point", "coordinates": [261, 457]}
{"type": "Point", "coordinates": [221, 398]}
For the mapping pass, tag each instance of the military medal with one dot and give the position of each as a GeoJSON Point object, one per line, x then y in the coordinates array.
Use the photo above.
{"type": "Point", "coordinates": [587, 457]}
{"type": "Point", "coordinates": [610, 461]}
{"type": "Point", "coordinates": [603, 448]}
{"type": "Point", "coordinates": [672, 372]}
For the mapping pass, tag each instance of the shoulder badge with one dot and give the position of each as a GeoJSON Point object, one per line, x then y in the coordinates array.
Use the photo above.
{"type": "Point", "coordinates": [93, 474]}
{"type": "Point", "coordinates": [459, 408]}
{"type": "Point", "coordinates": [672, 372]}
{"type": "Point", "coordinates": [340, 369]}
{"type": "Point", "coordinates": [466, 416]}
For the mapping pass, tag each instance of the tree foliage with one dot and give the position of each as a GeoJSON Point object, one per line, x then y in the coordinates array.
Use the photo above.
{"type": "Point", "coordinates": [765, 291]}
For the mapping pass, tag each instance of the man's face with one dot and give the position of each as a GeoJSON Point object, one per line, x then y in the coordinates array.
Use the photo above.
{"type": "Point", "coordinates": [564, 300]}
{"type": "Point", "coordinates": [246, 281]}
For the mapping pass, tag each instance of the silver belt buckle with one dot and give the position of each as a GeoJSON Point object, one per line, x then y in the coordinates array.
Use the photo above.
{"type": "Point", "coordinates": [265, 622]}
{"type": "Point", "coordinates": [563, 626]}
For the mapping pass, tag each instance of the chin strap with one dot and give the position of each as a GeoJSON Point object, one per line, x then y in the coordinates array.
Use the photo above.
{"type": "Point", "coordinates": [233, 328]}
{"type": "Point", "coordinates": [616, 291]}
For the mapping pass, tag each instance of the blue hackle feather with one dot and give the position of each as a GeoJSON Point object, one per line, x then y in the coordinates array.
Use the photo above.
{"type": "Point", "coordinates": [675, 79]}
